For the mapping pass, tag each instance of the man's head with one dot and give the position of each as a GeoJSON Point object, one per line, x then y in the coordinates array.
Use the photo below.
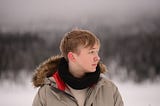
{"type": "Point", "coordinates": [74, 40]}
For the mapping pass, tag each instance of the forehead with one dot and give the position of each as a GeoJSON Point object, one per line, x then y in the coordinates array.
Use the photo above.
{"type": "Point", "coordinates": [94, 47]}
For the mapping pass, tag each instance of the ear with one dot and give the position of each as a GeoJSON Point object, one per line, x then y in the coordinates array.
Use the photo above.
{"type": "Point", "coordinates": [71, 56]}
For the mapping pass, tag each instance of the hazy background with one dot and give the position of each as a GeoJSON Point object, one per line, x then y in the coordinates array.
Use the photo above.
{"type": "Point", "coordinates": [31, 30]}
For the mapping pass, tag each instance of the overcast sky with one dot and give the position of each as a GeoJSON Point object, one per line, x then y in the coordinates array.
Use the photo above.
{"type": "Point", "coordinates": [21, 14]}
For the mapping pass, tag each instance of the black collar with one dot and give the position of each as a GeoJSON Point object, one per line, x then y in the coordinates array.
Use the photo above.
{"type": "Point", "coordinates": [87, 80]}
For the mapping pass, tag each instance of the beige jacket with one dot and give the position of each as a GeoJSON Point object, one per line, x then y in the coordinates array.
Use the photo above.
{"type": "Point", "coordinates": [104, 93]}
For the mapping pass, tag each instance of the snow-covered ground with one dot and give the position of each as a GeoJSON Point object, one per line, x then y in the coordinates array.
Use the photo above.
{"type": "Point", "coordinates": [145, 94]}
{"type": "Point", "coordinates": [12, 94]}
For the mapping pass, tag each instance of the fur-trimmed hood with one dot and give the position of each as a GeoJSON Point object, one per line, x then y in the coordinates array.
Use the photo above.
{"type": "Point", "coordinates": [47, 68]}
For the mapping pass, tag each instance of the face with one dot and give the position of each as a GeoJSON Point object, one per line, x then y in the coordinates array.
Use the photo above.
{"type": "Point", "coordinates": [87, 59]}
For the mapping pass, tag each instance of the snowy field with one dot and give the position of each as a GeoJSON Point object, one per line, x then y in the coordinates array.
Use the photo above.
{"type": "Point", "coordinates": [146, 94]}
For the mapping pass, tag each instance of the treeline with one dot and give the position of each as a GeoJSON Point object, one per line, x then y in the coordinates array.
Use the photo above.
{"type": "Point", "coordinates": [139, 53]}
{"type": "Point", "coordinates": [21, 51]}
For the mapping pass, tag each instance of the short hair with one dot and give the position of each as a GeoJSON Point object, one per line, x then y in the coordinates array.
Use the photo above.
{"type": "Point", "coordinates": [76, 38]}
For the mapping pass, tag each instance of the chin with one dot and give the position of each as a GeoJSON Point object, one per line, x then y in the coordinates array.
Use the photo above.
{"type": "Point", "coordinates": [93, 70]}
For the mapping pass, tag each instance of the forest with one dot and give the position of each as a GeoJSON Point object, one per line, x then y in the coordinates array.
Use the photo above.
{"type": "Point", "coordinates": [137, 53]}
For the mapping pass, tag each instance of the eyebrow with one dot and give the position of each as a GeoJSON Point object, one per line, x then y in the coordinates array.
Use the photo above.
{"type": "Point", "coordinates": [93, 48]}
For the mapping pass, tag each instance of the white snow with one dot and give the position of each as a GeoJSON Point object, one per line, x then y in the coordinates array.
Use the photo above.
{"type": "Point", "coordinates": [144, 94]}
{"type": "Point", "coordinates": [12, 94]}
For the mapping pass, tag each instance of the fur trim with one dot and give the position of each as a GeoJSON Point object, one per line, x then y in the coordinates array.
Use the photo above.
{"type": "Point", "coordinates": [49, 67]}
{"type": "Point", "coordinates": [45, 69]}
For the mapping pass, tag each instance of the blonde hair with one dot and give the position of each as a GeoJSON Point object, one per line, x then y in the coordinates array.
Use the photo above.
{"type": "Point", "coordinates": [76, 38]}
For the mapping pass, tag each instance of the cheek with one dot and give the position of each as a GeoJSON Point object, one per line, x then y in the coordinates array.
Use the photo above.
{"type": "Point", "coordinates": [84, 60]}
{"type": "Point", "coordinates": [88, 60]}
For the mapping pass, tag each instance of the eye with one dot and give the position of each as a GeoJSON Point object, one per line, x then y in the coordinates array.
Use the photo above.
{"type": "Point", "coordinates": [91, 52]}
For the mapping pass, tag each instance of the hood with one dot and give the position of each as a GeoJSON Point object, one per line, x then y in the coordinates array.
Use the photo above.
{"type": "Point", "coordinates": [47, 68]}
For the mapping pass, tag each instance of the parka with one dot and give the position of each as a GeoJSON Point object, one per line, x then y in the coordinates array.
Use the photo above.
{"type": "Point", "coordinates": [53, 91]}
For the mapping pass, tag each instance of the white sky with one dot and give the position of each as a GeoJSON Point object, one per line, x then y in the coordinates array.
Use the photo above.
{"type": "Point", "coordinates": [20, 13]}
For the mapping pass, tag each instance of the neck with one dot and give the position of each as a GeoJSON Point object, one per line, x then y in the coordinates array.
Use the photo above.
{"type": "Point", "coordinates": [78, 73]}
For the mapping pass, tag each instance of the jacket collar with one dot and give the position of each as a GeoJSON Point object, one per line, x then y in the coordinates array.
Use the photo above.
{"type": "Point", "coordinates": [60, 84]}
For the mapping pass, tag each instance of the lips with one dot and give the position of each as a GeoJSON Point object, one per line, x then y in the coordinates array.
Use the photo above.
{"type": "Point", "coordinates": [95, 65]}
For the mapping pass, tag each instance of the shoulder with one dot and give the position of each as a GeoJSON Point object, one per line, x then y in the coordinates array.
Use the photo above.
{"type": "Point", "coordinates": [44, 96]}
{"type": "Point", "coordinates": [43, 90]}
{"type": "Point", "coordinates": [107, 83]}
{"type": "Point", "coordinates": [40, 97]}
{"type": "Point", "coordinates": [109, 88]}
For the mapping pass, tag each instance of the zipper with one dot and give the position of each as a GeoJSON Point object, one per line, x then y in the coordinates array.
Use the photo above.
{"type": "Point", "coordinates": [90, 91]}
{"type": "Point", "coordinates": [88, 94]}
{"type": "Point", "coordinates": [72, 98]}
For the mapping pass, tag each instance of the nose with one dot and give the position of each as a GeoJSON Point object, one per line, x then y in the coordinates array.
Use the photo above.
{"type": "Point", "coordinates": [96, 58]}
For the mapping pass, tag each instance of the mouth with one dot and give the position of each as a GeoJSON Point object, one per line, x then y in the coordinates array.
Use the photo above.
{"type": "Point", "coordinates": [94, 65]}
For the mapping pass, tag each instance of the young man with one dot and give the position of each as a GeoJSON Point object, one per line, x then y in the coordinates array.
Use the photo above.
{"type": "Point", "coordinates": [76, 77]}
